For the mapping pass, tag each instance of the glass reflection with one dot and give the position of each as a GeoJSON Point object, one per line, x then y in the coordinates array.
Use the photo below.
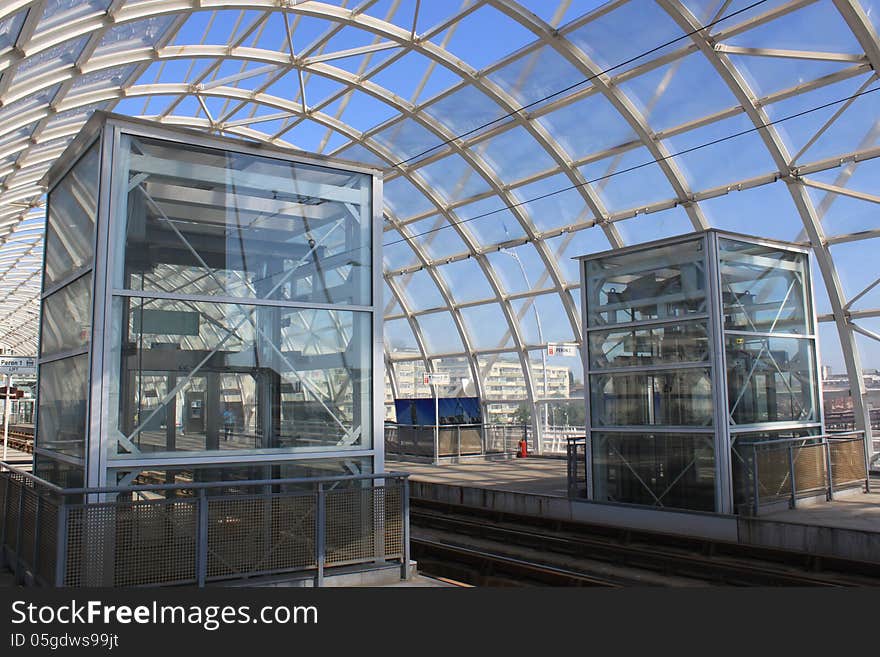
{"type": "Point", "coordinates": [196, 376]}
{"type": "Point", "coordinates": [66, 318]}
{"type": "Point", "coordinates": [203, 221]}
{"type": "Point", "coordinates": [770, 379]}
{"type": "Point", "coordinates": [658, 283]}
{"type": "Point", "coordinates": [763, 289]}
{"type": "Point", "coordinates": [63, 405]}
{"type": "Point", "coordinates": [685, 342]}
{"type": "Point", "coordinates": [674, 398]}
{"type": "Point", "coordinates": [70, 223]}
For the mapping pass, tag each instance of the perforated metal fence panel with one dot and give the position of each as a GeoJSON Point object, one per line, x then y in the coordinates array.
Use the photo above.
{"type": "Point", "coordinates": [847, 463]}
{"type": "Point", "coordinates": [260, 534]}
{"type": "Point", "coordinates": [810, 471]}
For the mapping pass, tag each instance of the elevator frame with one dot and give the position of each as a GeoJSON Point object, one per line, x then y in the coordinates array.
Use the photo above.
{"type": "Point", "coordinates": [722, 428]}
{"type": "Point", "coordinates": [99, 469]}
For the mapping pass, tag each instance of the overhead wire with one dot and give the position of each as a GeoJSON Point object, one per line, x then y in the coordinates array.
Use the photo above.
{"type": "Point", "coordinates": [642, 165]}
{"type": "Point", "coordinates": [580, 83]}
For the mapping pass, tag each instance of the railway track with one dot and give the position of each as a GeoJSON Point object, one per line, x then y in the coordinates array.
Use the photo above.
{"type": "Point", "coordinates": [487, 568]}
{"type": "Point", "coordinates": [461, 544]}
{"type": "Point", "coordinates": [23, 442]}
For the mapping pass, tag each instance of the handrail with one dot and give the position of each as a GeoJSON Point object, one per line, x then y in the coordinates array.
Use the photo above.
{"type": "Point", "coordinates": [448, 426]}
{"type": "Point", "coordinates": [452, 440]}
{"type": "Point", "coordinates": [199, 484]}
{"type": "Point", "coordinates": [822, 441]}
{"type": "Point", "coordinates": [29, 547]}
{"type": "Point", "coordinates": [821, 437]}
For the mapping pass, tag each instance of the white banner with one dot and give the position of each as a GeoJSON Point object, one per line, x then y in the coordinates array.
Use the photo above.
{"type": "Point", "coordinates": [435, 378]}
{"type": "Point", "coordinates": [565, 349]}
{"type": "Point", "coordinates": [18, 365]}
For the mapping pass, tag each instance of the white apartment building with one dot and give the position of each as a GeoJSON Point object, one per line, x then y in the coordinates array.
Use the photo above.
{"type": "Point", "coordinates": [505, 385]}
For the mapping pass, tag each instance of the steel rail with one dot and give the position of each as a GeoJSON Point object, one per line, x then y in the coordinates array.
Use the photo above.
{"type": "Point", "coordinates": [708, 560]}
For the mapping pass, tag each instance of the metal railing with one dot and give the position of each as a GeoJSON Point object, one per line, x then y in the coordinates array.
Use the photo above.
{"type": "Point", "coordinates": [790, 469]}
{"type": "Point", "coordinates": [453, 440]}
{"type": "Point", "coordinates": [576, 453]}
{"type": "Point", "coordinates": [195, 533]}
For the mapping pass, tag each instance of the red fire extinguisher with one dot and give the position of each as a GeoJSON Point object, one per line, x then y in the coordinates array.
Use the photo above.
{"type": "Point", "coordinates": [523, 448]}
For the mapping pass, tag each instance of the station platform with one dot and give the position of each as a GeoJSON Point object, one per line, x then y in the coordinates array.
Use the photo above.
{"type": "Point", "coordinates": [848, 526]}
{"type": "Point", "coordinates": [538, 476]}
{"type": "Point", "coordinates": [17, 458]}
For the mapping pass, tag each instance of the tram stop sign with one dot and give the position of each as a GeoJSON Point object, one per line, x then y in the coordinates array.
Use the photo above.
{"type": "Point", "coordinates": [20, 365]}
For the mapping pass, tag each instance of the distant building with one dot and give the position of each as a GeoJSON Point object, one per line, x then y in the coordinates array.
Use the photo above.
{"type": "Point", "coordinates": [504, 382]}
{"type": "Point", "coordinates": [836, 393]}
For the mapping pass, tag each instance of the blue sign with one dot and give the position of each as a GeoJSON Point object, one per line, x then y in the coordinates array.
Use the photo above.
{"type": "Point", "coordinates": [453, 410]}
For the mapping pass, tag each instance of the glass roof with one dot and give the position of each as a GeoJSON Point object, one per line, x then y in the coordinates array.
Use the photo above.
{"type": "Point", "coordinates": [513, 135]}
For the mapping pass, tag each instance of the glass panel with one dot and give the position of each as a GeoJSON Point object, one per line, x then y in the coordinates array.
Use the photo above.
{"type": "Point", "coordinates": [502, 376]}
{"type": "Point", "coordinates": [210, 222]}
{"type": "Point", "coordinates": [667, 470]}
{"type": "Point", "coordinates": [410, 381]}
{"type": "Point", "coordinates": [66, 319]}
{"type": "Point", "coordinates": [675, 398]}
{"type": "Point", "coordinates": [63, 405]}
{"type": "Point", "coordinates": [763, 288]}
{"type": "Point", "coordinates": [73, 208]}
{"type": "Point", "coordinates": [237, 473]}
{"type": "Point", "coordinates": [60, 473]}
{"type": "Point", "coordinates": [657, 283]}
{"type": "Point", "coordinates": [770, 379]}
{"type": "Point", "coordinates": [205, 376]}
{"type": "Point", "coordinates": [686, 342]}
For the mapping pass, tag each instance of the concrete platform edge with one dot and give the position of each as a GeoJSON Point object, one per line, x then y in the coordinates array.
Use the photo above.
{"type": "Point", "coordinates": [841, 542]}
{"type": "Point", "coordinates": [561, 508]}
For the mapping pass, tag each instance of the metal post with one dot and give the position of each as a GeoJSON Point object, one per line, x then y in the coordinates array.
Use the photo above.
{"type": "Point", "coordinates": [379, 499]}
{"type": "Point", "coordinates": [791, 476]}
{"type": "Point", "coordinates": [828, 469]}
{"type": "Point", "coordinates": [36, 553]}
{"type": "Point", "coordinates": [571, 463]}
{"type": "Point", "coordinates": [61, 543]}
{"type": "Point", "coordinates": [404, 565]}
{"type": "Point", "coordinates": [436, 426]}
{"type": "Point", "coordinates": [3, 524]}
{"type": "Point", "coordinates": [458, 438]}
{"type": "Point", "coordinates": [202, 539]}
{"type": "Point", "coordinates": [321, 521]}
{"type": "Point", "coordinates": [540, 428]}
{"type": "Point", "coordinates": [6, 418]}
{"type": "Point", "coordinates": [757, 488]}
{"type": "Point", "coordinates": [16, 566]}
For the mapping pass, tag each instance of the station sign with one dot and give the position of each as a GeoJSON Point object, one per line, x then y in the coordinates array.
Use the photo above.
{"type": "Point", "coordinates": [21, 365]}
{"type": "Point", "coordinates": [435, 378]}
{"type": "Point", "coordinates": [568, 349]}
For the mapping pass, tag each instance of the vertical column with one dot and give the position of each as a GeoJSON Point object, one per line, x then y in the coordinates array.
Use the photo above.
{"type": "Point", "coordinates": [715, 307]}
{"type": "Point", "coordinates": [585, 360]}
{"type": "Point", "coordinates": [373, 222]}
{"type": "Point", "coordinates": [98, 436]}
{"type": "Point", "coordinates": [171, 415]}
{"type": "Point", "coordinates": [213, 412]}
